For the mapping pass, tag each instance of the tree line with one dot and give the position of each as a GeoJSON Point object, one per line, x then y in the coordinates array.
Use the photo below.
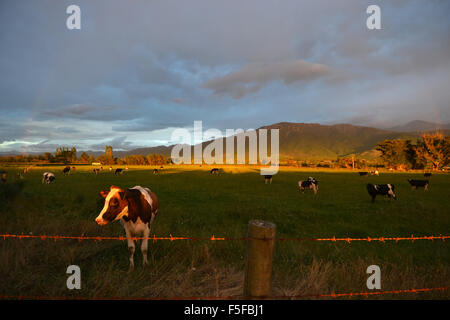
{"type": "Point", "coordinates": [431, 151]}
{"type": "Point", "coordinates": [68, 155]}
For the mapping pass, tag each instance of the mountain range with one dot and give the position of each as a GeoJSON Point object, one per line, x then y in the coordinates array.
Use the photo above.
{"type": "Point", "coordinates": [313, 141]}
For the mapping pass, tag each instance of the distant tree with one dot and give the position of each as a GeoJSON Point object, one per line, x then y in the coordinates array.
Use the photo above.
{"type": "Point", "coordinates": [65, 155]}
{"type": "Point", "coordinates": [433, 150]}
{"type": "Point", "coordinates": [109, 158]}
{"type": "Point", "coordinates": [84, 157]}
{"type": "Point", "coordinates": [73, 154]}
{"type": "Point", "coordinates": [156, 159]}
{"type": "Point", "coordinates": [396, 153]}
{"type": "Point", "coordinates": [103, 159]}
{"type": "Point", "coordinates": [48, 157]}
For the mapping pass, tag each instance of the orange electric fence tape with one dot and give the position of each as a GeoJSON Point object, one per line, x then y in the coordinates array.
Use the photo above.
{"type": "Point", "coordinates": [412, 238]}
{"type": "Point", "coordinates": [329, 295]}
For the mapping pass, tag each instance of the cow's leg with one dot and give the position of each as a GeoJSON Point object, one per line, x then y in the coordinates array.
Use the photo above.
{"type": "Point", "coordinates": [131, 246]}
{"type": "Point", "coordinates": [425, 188]}
{"type": "Point", "coordinates": [144, 244]}
{"type": "Point", "coordinates": [373, 198]}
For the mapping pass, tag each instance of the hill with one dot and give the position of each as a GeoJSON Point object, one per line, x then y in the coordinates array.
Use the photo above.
{"type": "Point", "coordinates": [316, 141]}
{"type": "Point", "coordinates": [312, 141]}
{"type": "Point", "coordinates": [309, 141]}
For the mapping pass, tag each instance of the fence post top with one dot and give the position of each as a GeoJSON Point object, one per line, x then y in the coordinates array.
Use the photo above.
{"type": "Point", "coordinates": [262, 224]}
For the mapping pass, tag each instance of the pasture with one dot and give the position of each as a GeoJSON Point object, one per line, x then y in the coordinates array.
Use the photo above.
{"type": "Point", "coordinates": [194, 203]}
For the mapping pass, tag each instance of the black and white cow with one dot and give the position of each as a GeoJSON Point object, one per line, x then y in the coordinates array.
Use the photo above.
{"type": "Point", "coordinates": [268, 179]}
{"type": "Point", "coordinates": [48, 177]}
{"type": "Point", "coordinates": [419, 183]}
{"type": "Point", "coordinates": [66, 170]}
{"type": "Point", "coordinates": [311, 183]}
{"type": "Point", "coordinates": [96, 170]}
{"type": "Point", "coordinates": [214, 171]}
{"type": "Point", "coordinates": [155, 171]}
{"type": "Point", "coordinates": [374, 173]}
{"type": "Point", "coordinates": [381, 189]}
{"type": "Point", "coordinates": [135, 208]}
{"type": "Point", "coordinates": [118, 171]}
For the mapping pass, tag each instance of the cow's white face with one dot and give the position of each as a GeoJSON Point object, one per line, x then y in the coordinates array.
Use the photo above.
{"type": "Point", "coordinates": [115, 206]}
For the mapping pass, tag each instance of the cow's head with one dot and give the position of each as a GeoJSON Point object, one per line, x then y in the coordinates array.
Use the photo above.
{"type": "Point", "coordinates": [116, 206]}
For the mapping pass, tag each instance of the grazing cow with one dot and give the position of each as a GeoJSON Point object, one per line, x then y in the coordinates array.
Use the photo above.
{"type": "Point", "coordinates": [419, 183]}
{"type": "Point", "coordinates": [119, 171]}
{"type": "Point", "coordinates": [3, 177]}
{"type": "Point", "coordinates": [214, 171]}
{"type": "Point", "coordinates": [136, 208]}
{"type": "Point", "coordinates": [427, 174]}
{"type": "Point", "coordinates": [376, 173]}
{"type": "Point", "coordinates": [268, 179]}
{"type": "Point", "coordinates": [311, 183]}
{"type": "Point", "coordinates": [48, 177]}
{"type": "Point", "coordinates": [381, 189]}
{"type": "Point", "coordinates": [66, 170]}
{"type": "Point", "coordinates": [363, 173]}
{"type": "Point", "coordinates": [96, 170]}
{"type": "Point", "coordinates": [155, 171]}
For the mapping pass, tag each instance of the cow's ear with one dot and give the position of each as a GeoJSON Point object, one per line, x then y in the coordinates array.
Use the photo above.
{"type": "Point", "coordinates": [104, 194]}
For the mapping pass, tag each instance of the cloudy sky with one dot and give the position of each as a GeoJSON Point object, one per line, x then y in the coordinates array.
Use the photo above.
{"type": "Point", "coordinates": [139, 69]}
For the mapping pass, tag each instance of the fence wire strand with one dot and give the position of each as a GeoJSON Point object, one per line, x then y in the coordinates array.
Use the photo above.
{"type": "Point", "coordinates": [284, 297]}
{"type": "Point", "coordinates": [154, 238]}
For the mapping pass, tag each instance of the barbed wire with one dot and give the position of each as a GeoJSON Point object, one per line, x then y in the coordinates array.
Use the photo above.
{"type": "Point", "coordinates": [284, 297]}
{"type": "Point", "coordinates": [154, 238]}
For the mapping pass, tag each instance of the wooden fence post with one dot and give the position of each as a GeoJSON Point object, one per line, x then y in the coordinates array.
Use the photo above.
{"type": "Point", "coordinates": [259, 258]}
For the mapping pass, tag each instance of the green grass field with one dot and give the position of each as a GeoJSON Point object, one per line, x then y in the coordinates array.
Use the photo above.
{"type": "Point", "coordinates": [194, 203]}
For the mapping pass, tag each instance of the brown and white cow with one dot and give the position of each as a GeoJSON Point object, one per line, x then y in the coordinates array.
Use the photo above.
{"type": "Point", "coordinates": [135, 208]}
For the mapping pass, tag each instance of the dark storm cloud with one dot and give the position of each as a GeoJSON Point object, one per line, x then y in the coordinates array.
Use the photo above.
{"type": "Point", "coordinates": [83, 111]}
{"type": "Point", "coordinates": [139, 66]}
{"type": "Point", "coordinates": [252, 77]}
